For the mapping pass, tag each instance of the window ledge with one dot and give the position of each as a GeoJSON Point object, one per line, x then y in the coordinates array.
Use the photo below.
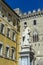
{"type": "Point", "coordinates": [8, 58]}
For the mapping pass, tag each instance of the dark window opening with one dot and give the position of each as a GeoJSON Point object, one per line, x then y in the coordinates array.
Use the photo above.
{"type": "Point", "coordinates": [2, 28]}
{"type": "Point", "coordinates": [8, 31]}
{"type": "Point", "coordinates": [7, 51]}
{"type": "Point", "coordinates": [13, 53]}
{"type": "Point", "coordinates": [13, 36]}
{"type": "Point", "coordinates": [34, 22]}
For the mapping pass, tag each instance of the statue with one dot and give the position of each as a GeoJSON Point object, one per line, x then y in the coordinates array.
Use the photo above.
{"type": "Point", "coordinates": [25, 35]}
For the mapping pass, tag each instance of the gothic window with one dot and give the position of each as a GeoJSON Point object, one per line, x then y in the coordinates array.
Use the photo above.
{"type": "Point", "coordinates": [35, 37]}
{"type": "Point", "coordinates": [34, 22]}
{"type": "Point", "coordinates": [7, 52]}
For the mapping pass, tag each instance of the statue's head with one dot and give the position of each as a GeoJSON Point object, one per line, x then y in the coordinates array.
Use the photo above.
{"type": "Point", "coordinates": [25, 24]}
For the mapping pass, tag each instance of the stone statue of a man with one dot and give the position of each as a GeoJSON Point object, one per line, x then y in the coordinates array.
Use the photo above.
{"type": "Point", "coordinates": [25, 35]}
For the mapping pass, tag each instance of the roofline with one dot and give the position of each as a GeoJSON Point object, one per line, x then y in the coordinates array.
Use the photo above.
{"type": "Point", "coordinates": [10, 8]}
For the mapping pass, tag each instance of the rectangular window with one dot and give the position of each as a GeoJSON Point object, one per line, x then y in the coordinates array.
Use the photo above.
{"type": "Point", "coordinates": [34, 22]}
{"type": "Point", "coordinates": [8, 32]}
{"type": "Point", "coordinates": [7, 52]}
{"type": "Point", "coordinates": [13, 54]}
{"type": "Point", "coordinates": [2, 28]}
{"type": "Point", "coordinates": [1, 48]}
{"type": "Point", "coordinates": [14, 36]}
{"type": "Point", "coordinates": [9, 17]}
{"type": "Point", "coordinates": [14, 22]}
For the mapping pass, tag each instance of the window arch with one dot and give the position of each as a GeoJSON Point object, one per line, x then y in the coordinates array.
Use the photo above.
{"type": "Point", "coordinates": [35, 36]}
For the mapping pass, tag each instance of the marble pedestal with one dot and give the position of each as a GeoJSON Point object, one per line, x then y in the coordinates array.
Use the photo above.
{"type": "Point", "coordinates": [25, 55]}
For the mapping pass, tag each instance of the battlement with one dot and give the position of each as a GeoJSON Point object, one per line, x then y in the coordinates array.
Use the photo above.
{"type": "Point", "coordinates": [32, 14]}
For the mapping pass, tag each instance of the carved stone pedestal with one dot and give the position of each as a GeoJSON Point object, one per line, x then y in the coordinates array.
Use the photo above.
{"type": "Point", "coordinates": [26, 55]}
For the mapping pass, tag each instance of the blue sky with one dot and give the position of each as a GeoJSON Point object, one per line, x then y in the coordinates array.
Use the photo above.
{"type": "Point", "coordinates": [25, 5]}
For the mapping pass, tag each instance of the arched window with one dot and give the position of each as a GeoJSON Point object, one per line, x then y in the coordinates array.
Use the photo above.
{"type": "Point", "coordinates": [35, 37]}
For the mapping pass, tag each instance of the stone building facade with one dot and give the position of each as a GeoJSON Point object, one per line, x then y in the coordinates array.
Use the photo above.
{"type": "Point", "coordinates": [34, 22]}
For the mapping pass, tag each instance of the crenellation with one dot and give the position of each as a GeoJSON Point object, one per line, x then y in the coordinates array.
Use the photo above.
{"type": "Point", "coordinates": [34, 11]}
{"type": "Point", "coordinates": [25, 14]}
{"type": "Point", "coordinates": [32, 14]}
{"type": "Point", "coordinates": [29, 12]}
{"type": "Point", "coordinates": [39, 10]}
